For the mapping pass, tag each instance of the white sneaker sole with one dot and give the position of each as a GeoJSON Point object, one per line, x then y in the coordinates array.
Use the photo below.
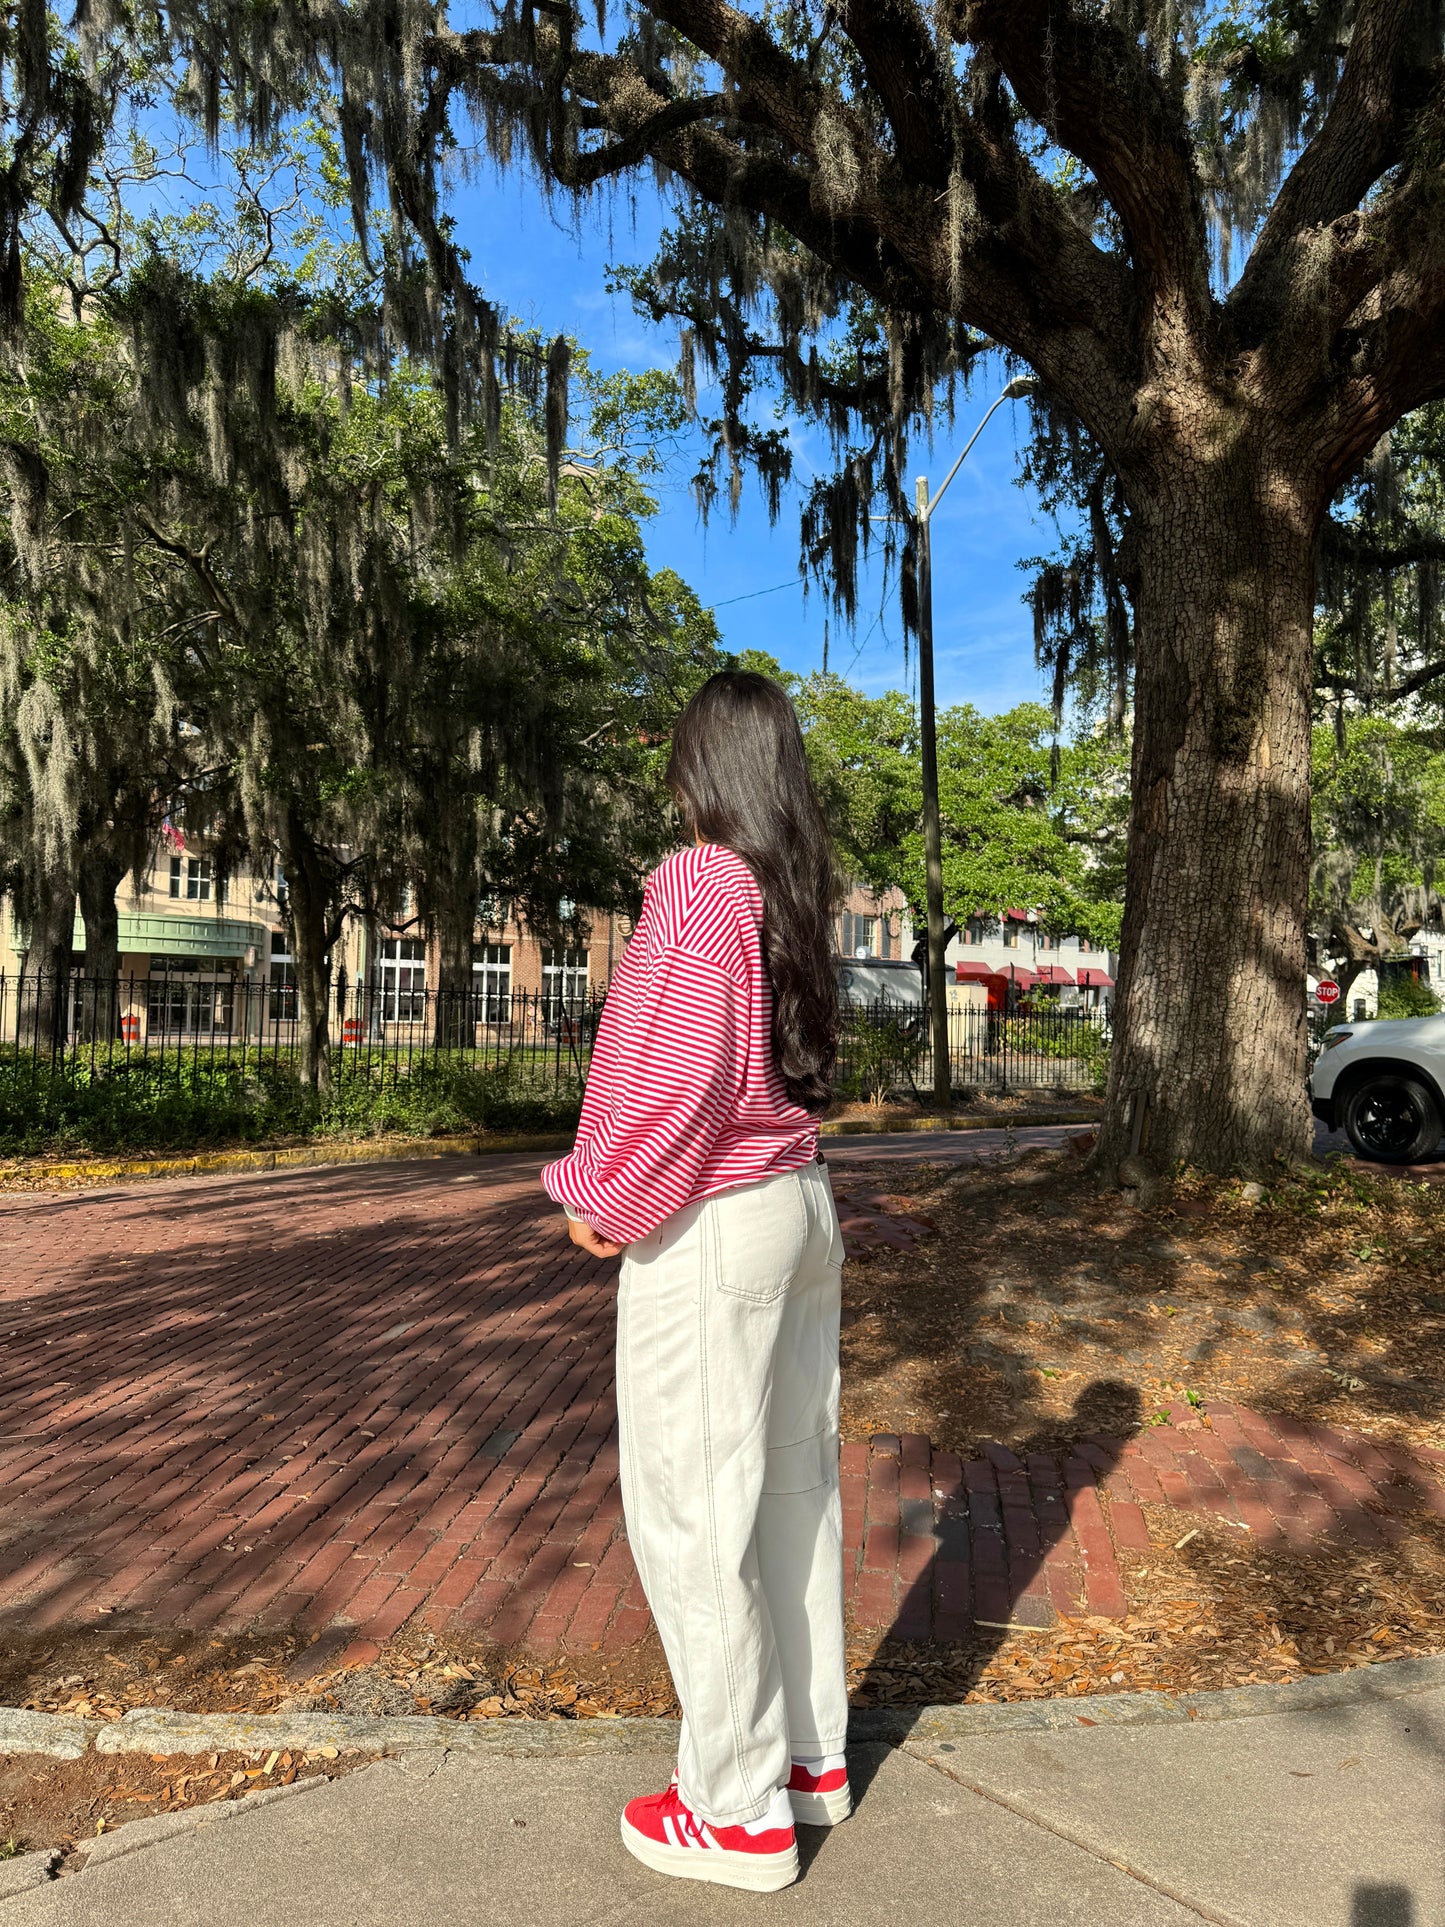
{"type": "Point", "coordinates": [821, 1809]}
{"type": "Point", "coordinates": [759, 1873]}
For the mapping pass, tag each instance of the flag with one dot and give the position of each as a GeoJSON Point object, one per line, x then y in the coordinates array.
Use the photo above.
{"type": "Point", "coordinates": [177, 841]}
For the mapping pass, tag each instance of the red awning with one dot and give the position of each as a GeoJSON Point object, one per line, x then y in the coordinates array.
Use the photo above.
{"type": "Point", "coordinates": [1054, 974]}
{"type": "Point", "coordinates": [974, 972]}
{"type": "Point", "coordinates": [1095, 980]}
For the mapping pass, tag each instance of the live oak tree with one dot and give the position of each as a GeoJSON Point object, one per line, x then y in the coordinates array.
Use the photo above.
{"type": "Point", "coordinates": [1215, 234]}
{"type": "Point", "coordinates": [1380, 639]}
{"type": "Point", "coordinates": [1073, 181]}
{"type": "Point", "coordinates": [266, 573]}
{"type": "Point", "coordinates": [91, 747]}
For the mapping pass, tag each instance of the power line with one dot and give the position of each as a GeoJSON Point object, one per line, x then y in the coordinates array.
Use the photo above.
{"type": "Point", "coordinates": [791, 583]}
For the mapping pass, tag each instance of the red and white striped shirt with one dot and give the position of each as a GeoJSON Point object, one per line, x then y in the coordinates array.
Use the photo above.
{"type": "Point", "coordinates": [683, 1097]}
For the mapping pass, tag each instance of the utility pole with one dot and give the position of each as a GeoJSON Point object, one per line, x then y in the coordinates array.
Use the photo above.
{"type": "Point", "coordinates": [932, 839]}
{"type": "Point", "coordinates": [928, 737]}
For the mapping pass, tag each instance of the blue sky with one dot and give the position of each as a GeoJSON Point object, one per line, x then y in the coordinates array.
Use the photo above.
{"type": "Point", "coordinates": [531, 263]}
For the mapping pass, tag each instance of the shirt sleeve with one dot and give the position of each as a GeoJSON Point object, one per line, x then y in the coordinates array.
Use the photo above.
{"type": "Point", "coordinates": [672, 1081]}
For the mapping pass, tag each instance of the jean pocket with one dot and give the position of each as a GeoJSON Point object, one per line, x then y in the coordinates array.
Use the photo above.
{"type": "Point", "coordinates": [759, 1234]}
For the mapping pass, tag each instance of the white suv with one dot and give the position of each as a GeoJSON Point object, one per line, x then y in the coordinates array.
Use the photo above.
{"type": "Point", "coordinates": [1384, 1082]}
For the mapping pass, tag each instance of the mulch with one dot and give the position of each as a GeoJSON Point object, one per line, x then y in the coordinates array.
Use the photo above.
{"type": "Point", "coordinates": [1043, 1306]}
{"type": "Point", "coordinates": [1040, 1308]}
{"type": "Point", "coordinates": [67, 1804]}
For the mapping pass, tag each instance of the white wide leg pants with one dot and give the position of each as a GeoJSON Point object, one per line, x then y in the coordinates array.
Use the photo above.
{"type": "Point", "coordinates": [727, 1383]}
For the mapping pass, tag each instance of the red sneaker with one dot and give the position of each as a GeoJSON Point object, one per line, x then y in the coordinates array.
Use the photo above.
{"type": "Point", "coordinates": [664, 1833]}
{"type": "Point", "coordinates": [818, 1790]}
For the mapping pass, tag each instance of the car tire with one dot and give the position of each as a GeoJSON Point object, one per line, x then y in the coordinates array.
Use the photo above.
{"type": "Point", "coordinates": [1393, 1120]}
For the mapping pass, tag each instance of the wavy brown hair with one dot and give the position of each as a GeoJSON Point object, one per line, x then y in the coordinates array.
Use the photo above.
{"type": "Point", "coordinates": [740, 776]}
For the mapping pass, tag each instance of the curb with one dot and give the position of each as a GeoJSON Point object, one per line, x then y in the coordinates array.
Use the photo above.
{"type": "Point", "coordinates": [159, 1730]}
{"type": "Point", "coordinates": [222, 1163]}
{"type": "Point", "coordinates": [1029, 1121]}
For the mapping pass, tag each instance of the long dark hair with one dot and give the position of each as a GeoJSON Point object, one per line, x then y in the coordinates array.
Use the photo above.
{"type": "Point", "coordinates": [740, 776]}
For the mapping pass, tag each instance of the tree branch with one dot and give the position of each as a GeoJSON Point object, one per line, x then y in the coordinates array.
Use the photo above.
{"type": "Point", "coordinates": [1084, 80]}
{"type": "Point", "coordinates": [1383, 309]}
{"type": "Point", "coordinates": [1387, 76]}
{"type": "Point", "coordinates": [1024, 272]}
{"type": "Point", "coordinates": [901, 62]}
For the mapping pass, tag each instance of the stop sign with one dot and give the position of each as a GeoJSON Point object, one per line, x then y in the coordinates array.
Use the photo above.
{"type": "Point", "coordinates": [1328, 991]}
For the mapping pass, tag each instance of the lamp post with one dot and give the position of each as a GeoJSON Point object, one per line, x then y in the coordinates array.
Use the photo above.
{"type": "Point", "coordinates": [932, 843]}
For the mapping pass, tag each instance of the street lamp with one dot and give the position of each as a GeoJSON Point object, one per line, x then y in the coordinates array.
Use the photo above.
{"type": "Point", "coordinates": [932, 845]}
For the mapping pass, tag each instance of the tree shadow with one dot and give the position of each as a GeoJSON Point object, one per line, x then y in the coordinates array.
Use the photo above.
{"type": "Point", "coordinates": [991, 1545]}
{"type": "Point", "coordinates": [209, 1393]}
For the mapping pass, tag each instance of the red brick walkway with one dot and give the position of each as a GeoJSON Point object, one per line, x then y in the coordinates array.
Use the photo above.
{"type": "Point", "coordinates": [351, 1397]}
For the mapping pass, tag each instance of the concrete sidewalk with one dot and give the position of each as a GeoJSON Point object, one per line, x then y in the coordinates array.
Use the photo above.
{"type": "Point", "coordinates": [1330, 1817]}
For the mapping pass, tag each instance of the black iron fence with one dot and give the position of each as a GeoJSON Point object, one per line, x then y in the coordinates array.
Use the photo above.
{"type": "Point", "coordinates": [887, 1049]}
{"type": "Point", "coordinates": [73, 1024]}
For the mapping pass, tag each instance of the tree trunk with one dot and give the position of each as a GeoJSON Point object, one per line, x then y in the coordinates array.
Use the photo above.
{"type": "Point", "coordinates": [455, 951]}
{"type": "Point", "coordinates": [101, 875]}
{"type": "Point", "coordinates": [1207, 1065]}
{"type": "Point", "coordinates": [455, 931]}
{"type": "Point", "coordinates": [450, 903]}
{"type": "Point", "coordinates": [308, 887]}
{"type": "Point", "coordinates": [44, 1000]}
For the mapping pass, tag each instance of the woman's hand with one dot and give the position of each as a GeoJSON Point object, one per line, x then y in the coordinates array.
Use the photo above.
{"type": "Point", "coordinates": [591, 1239]}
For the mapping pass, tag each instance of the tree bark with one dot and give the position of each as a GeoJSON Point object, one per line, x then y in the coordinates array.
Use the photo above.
{"type": "Point", "coordinates": [455, 931]}
{"type": "Point", "coordinates": [309, 888]}
{"type": "Point", "coordinates": [44, 997]}
{"type": "Point", "coordinates": [1207, 1066]}
{"type": "Point", "coordinates": [101, 875]}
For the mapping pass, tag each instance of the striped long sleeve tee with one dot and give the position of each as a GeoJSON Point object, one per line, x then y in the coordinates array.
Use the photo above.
{"type": "Point", "coordinates": [683, 1096]}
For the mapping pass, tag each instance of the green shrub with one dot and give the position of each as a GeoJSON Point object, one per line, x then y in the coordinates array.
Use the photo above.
{"type": "Point", "coordinates": [878, 1050]}
{"type": "Point", "coordinates": [1402, 996]}
{"type": "Point", "coordinates": [143, 1102]}
{"type": "Point", "coordinates": [1066, 1036]}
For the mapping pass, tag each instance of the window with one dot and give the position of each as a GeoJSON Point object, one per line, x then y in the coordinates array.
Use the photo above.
{"type": "Point", "coordinates": [885, 936]}
{"type": "Point", "coordinates": [188, 1006]}
{"type": "Point", "coordinates": [1043, 940]}
{"type": "Point", "coordinates": [191, 877]}
{"type": "Point", "coordinates": [1359, 1010]}
{"type": "Point", "coordinates": [859, 936]}
{"type": "Point", "coordinates": [402, 971]}
{"type": "Point", "coordinates": [1084, 944]}
{"type": "Point", "coordinates": [282, 993]}
{"type": "Point", "coordinates": [1010, 935]}
{"type": "Point", "coordinates": [492, 983]}
{"type": "Point", "coordinates": [564, 983]}
{"type": "Point", "coordinates": [976, 929]}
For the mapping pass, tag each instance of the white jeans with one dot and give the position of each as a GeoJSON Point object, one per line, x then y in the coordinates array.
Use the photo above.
{"type": "Point", "coordinates": [727, 1392]}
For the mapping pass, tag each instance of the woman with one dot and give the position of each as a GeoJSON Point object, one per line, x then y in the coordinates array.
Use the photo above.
{"type": "Point", "coordinates": [697, 1158]}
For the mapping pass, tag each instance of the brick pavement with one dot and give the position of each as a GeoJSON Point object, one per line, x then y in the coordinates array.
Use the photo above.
{"type": "Point", "coordinates": [356, 1398]}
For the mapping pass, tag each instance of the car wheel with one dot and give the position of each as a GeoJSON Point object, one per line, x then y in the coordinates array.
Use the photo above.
{"type": "Point", "coordinates": [1393, 1119]}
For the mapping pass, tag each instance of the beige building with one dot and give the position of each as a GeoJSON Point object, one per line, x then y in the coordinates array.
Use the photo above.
{"type": "Point", "coordinates": [206, 958]}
